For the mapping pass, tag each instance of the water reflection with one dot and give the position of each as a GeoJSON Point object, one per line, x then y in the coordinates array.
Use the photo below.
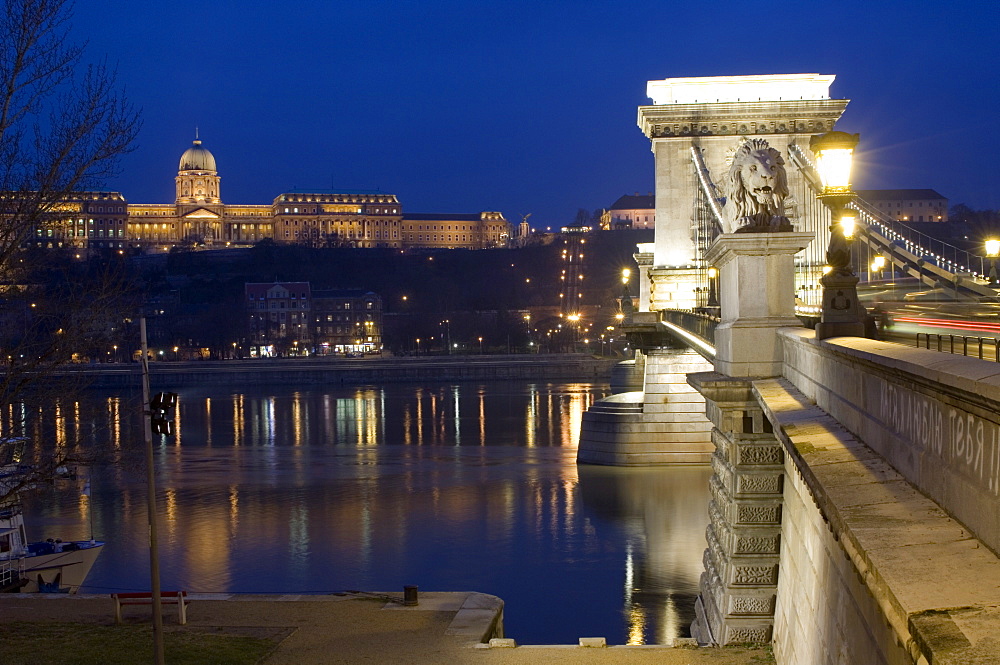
{"type": "Point", "coordinates": [663, 518]}
{"type": "Point", "coordinates": [448, 487]}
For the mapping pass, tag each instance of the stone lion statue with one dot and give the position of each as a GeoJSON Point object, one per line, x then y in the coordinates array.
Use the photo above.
{"type": "Point", "coordinates": [756, 189]}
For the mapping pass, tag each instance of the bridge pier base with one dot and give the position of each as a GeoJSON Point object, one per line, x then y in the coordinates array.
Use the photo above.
{"type": "Point", "coordinates": [664, 423]}
{"type": "Point", "coordinates": [736, 600]}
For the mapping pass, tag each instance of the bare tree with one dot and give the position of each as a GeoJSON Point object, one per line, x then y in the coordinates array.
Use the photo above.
{"type": "Point", "coordinates": [63, 127]}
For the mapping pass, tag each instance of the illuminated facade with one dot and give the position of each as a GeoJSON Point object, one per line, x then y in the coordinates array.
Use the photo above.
{"type": "Point", "coordinates": [635, 211]}
{"type": "Point", "coordinates": [198, 217]}
{"type": "Point", "coordinates": [316, 218]}
{"type": "Point", "coordinates": [908, 205]}
{"type": "Point", "coordinates": [80, 220]}
{"type": "Point", "coordinates": [455, 231]}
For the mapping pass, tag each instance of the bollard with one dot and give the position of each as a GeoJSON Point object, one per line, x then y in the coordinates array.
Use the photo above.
{"type": "Point", "coordinates": [410, 595]}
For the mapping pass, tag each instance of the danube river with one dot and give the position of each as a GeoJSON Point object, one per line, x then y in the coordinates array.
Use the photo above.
{"type": "Point", "coordinates": [451, 487]}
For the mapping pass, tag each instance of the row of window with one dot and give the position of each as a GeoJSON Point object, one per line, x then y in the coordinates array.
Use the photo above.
{"type": "Point", "coordinates": [81, 233]}
{"type": "Point", "coordinates": [308, 222]}
{"type": "Point", "coordinates": [920, 204]}
{"type": "Point", "coordinates": [280, 304]}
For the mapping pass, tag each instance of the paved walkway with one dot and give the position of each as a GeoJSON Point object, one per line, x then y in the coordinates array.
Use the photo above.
{"type": "Point", "coordinates": [324, 630]}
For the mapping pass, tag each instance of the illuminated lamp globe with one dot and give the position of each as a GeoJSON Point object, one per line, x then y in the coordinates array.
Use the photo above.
{"type": "Point", "coordinates": [847, 224]}
{"type": "Point", "coordinates": [834, 156]}
{"type": "Point", "coordinates": [993, 248]}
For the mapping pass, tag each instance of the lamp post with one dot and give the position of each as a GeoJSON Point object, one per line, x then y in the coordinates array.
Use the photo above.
{"type": "Point", "coordinates": [626, 297]}
{"type": "Point", "coordinates": [992, 251]}
{"type": "Point", "coordinates": [713, 290]}
{"type": "Point", "coordinates": [842, 314]}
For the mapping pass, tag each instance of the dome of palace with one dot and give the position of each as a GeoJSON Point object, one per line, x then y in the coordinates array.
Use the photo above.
{"type": "Point", "coordinates": [197, 158]}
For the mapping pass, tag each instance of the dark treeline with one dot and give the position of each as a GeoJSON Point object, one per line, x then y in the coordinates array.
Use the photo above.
{"type": "Point", "coordinates": [195, 299]}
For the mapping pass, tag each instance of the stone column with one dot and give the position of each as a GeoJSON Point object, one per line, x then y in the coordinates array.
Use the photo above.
{"type": "Point", "coordinates": [673, 288]}
{"type": "Point", "coordinates": [643, 259]}
{"type": "Point", "coordinates": [737, 593]}
{"type": "Point", "coordinates": [757, 295]}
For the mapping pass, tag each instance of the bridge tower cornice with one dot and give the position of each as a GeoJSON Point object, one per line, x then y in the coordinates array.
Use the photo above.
{"type": "Point", "coordinates": [678, 121]}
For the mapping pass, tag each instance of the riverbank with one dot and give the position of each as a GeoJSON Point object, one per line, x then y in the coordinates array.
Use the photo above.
{"type": "Point", "coordinates": [443, 628]}
{"type": "Point", "coordinates": [347, 371]}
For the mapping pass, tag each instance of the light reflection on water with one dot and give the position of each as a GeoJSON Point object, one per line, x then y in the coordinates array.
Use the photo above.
{"type": "Point", "coordinates": [450, 487]}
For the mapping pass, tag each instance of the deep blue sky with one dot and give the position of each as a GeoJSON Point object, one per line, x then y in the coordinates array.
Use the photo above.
{"type": "Point", "coordinates": [527, 106]}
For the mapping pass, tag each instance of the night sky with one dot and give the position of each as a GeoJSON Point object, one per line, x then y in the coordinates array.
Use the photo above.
{"type": "Point", "coordinates": [527, 106]}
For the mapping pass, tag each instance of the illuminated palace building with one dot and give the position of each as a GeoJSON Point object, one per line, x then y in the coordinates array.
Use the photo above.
{"type": "Point", "coordinates": [318, 218]}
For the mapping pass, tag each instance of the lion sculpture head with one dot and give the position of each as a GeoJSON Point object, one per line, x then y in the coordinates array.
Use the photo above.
{"type": "Point", "coordinates": [757, 187]}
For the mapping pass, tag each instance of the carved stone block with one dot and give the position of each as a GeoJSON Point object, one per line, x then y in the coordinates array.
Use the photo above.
{"type": "Point", "coordinates": [747, 634]}
{"type": "Point", "coordinates": [757, 483]}
{"type": "Point", "coordinates": [757, 545]}
{"type": "Point", "coordinates": [759, 454]}
{"type": "Point", "coordinates": [758, 514]}
{"type": "Point", "coordinates": [755, 575]}
{"type": "Point", "coordinates": [752, 605]}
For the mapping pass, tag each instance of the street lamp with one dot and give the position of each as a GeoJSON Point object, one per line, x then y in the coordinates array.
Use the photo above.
{"type": "Point", "coordinates": [841, 314]}
{"type": "Point", "coordinates": [713, 292]}
{"type": "Point", "coordinates": [878, 264]}
{"type": "Point", "coordinates": [480, 346]}
{"type": "Point", "coordinates": [626, 300]}
{"type": "Point", "coordinates": [992, 251]}
{"type": "Point", "coordinates": [418, 346]}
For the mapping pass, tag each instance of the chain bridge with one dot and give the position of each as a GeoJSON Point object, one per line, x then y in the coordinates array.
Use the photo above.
{"type": "Point", "coordinates": [855, 496]}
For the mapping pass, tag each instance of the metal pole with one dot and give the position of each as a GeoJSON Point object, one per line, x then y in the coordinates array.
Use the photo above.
{"type": "Point", "coordinates": [154, 557]}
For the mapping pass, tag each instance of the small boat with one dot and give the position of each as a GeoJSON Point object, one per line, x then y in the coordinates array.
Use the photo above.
{"type": "Point", "coordinates": [53, 565]}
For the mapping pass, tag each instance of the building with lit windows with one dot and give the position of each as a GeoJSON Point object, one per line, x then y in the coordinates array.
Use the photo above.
{"type": "Point", "coordinates": [338, 218]}
{"type": "Point", "coordinates": [455, 231]}
{"type": "Point", "coordinates": [80, 220]}
{"type": "Point", "coordinates": [634, 211]}
{"type": "Point", "coordinates": [908, 205]}
{"type": "Point", "coordinates": [290, 318]}
{"type": "Point", "coordinates": [316, 218]}
{"type": "Point", "coordinates": [278, 316]}
{"type": "Point", "coordinates": [346, 321]}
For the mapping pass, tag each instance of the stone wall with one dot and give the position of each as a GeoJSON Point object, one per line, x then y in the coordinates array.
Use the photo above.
{"type": "Point", "coordinates": [344, 372]}
{"type": "Point", "coordinates": [890, 504]}
{"type": "Point", "coordinates": [934, 417]}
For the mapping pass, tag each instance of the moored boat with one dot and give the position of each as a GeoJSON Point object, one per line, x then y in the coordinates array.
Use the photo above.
{"type": "Point", "coordinates": [51, 565]}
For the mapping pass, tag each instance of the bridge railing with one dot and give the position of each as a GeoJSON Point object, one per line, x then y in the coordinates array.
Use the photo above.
{"type": "Point", "coordinates": [696, 323]}
{"type": "Point", "coordinates": [963, 344]}
{"type": "Point", "coordinates": [945, 255]}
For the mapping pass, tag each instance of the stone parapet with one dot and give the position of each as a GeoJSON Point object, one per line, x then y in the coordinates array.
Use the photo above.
{"type": "Point", "coordinates": [872, 571]}
{"type": "Point", "coordinates": [933, 416]}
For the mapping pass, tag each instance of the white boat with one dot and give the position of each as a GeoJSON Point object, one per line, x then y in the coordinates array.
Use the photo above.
{"type": "Point", "coordinates": [47, 566]}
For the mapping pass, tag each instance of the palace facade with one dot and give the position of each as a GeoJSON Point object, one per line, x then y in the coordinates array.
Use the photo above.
{"type": "Point", "coordinates": [317, 218]}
